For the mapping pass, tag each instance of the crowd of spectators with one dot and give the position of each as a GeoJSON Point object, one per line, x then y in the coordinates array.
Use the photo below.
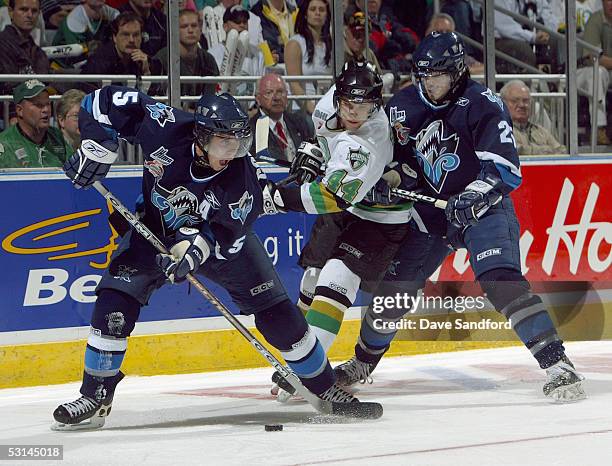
{"type": "Point", "coordinates": [291, 37]}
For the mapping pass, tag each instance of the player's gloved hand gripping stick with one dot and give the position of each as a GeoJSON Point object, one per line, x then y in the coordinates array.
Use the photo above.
{"type": "Point", "coordinates": [367, 410]}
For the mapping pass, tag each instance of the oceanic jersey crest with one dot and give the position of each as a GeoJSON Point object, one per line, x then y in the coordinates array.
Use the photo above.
{"type": "Point", "coordinates": [240, 210]}
{"type": "Point", "coordinates": [437, 154]}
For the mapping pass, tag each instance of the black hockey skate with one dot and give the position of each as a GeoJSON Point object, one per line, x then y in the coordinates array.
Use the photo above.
{"type": "Point", "coordinates": [564, 383]}
{"type": "Point", "coordinates": [87, 413]}
{"type": "Point", "coordinates": [353, 371]}
{"type": "Point", "coordinates": [342, 402]}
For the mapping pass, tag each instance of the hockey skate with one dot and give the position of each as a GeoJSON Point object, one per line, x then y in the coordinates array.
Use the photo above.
{"type": "Point", "coordinates": [353, 371]}
{"type": "Point", "coordinates": [87, 413]}
{"type": "Point", "coordinates": [334, 393]}
{"type": "Point", "coordinates": [283, 390]}
{"type": "Point", "coordinates": [564, 384]}
{"type": "Point", "coordinates": [84, 413]}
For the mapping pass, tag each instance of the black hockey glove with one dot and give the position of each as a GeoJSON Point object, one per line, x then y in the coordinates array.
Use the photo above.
{"type": "Point", "coordinates": [188, 253]}
{"type": "Point", "coordinates": [91, 162]}
{"type": "Point", "coordinates": [272, 200]}
{"type": "Point", "coordinates": [464, 209]}
{"type": "Point", "coordinates": [307, 163]}
{"type": "Point", "coordinates": [395, 176]}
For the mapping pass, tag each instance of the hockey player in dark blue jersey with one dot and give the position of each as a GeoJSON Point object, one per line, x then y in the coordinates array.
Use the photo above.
{"type": "Point", "coordinates": [457, 135]}
{"type": "Point", "coordinates": [202, 193]}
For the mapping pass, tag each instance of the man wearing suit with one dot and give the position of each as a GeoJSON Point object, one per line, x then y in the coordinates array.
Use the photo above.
{"type": "Point", "coordinates": [287, 129]}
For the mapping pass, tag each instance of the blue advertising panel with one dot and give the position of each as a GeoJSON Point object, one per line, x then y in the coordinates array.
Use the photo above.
{"type": "Point", "coordinates": [56, 242]}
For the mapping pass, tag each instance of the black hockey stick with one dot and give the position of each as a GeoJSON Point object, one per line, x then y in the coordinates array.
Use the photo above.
{"type": "Point", "coordinates": [417, 197]}
{"type": "Point", "coordinates": [359, 410]}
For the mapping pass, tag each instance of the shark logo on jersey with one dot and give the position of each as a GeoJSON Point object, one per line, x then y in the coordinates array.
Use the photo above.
{"type": "Point", "coordinates": [178, 207]}
{"type": "Point", "coordinates": [436, 154]}
{"type": "Point", "coordinates": [241, 209]}
{"type": "Point", "coordinates": [358, 158]}
{"type": "Point", "coordinates": [161, 113]}
{"type": "Point", "coordinates": [493, 98]}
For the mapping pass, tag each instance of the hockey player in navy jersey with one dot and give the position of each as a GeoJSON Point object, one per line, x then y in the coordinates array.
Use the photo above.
{"type": "Point", "coordinates": [457, 135]}
{"type": "Point", "coordinates": [202, 193]}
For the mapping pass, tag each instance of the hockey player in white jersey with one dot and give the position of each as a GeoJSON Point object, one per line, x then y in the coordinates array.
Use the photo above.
{"type": "Point", "coordinates": [355, 144]}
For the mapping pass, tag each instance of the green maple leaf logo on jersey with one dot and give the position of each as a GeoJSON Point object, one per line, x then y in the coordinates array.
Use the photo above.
{"type": "Point", "coordinates": [358, 158]}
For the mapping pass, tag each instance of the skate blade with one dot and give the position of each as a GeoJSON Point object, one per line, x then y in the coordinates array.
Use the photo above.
{"type": "Point", "coordinates": [568, 393]}
{"type": "Point", "coordinates": [359, 410]}
{"type": "Point", "coordinates": [89, 424]}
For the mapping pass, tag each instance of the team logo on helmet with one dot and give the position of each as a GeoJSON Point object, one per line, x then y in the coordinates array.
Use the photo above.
{"type": "Point", "coordinates": [436, 154]}
{"type": "Point", "coordinates": [161, 113]}
{"type": "Point", "coordinates": [241, 209]}
{"type": "Point", "coordinates": [358, 158]}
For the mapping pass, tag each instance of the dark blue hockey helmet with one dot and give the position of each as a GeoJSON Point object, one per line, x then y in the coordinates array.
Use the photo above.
{"type": "Point", "coordinates": [439, 55]}
{"type": "Point", "coordinates": [221, 115]}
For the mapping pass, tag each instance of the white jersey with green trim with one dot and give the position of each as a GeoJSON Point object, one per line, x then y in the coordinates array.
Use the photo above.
{"type": "Point", "coordinates": [355, 160]}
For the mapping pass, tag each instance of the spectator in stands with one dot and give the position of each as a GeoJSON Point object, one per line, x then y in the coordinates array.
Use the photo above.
{"type": "Point", "coordinates": [355, 41]}
{"type": "Point", "coordinates": [68, 117]}
{"type": "Point", "coordinates": [37, 33]}
{"type": "Point", "coordinates": [531, 138]}
{"type": "Point", "coordinates": [55, 11]}
{"type": "Point", "coordinates": [154, 24]}
{"type": "Point", "coordinates": [88, 23]}
{"type": "Point", "coordinates": [254, 23]}
{"type": "Point", "coordinates": [415, 17]}
{"type": "Point", "coordinates": [443, 22]}
{"type": "Point", "coordinates": [598, 32]}
{"type": "Point", "coordinates": [278, 24]}
{"type": "Point", "coordinates": [18, 52]}
{"type": "Point", "coordinates": [32, 143]}
{"type": "Point", "coordinates": [391, 41]}
{"type": "Point", "coordinates": [123, 55]}
{"type": "Point", "coordinates": [195, 61]}
{"type": "Point", "coordinates": [287, 129]}
{"type": "Point", "coordinates": [463, 16]}
{"type": "Point", "coordinates": [309, 51]}
{"type": "Point", "coordinates": [512, 39]}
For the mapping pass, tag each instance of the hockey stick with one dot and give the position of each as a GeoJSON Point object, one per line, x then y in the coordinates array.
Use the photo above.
{"type": "Point", "coordinates": [359, 410]}
{"type": "Point", "coordinates": [262, 131]}
{"type": "Point", "coordinates": [417, 197]}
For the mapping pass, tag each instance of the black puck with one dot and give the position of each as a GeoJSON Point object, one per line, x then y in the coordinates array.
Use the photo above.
{"type": "Point", "coordinates": [273, 427]}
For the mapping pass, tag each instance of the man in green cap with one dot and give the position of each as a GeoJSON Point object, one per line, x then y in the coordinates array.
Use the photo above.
{"type": "Point", "coordinates": [32, 143]}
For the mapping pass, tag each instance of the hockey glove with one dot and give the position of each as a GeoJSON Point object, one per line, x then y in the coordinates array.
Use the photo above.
{"type": "Point", "coordinates": [188, 253]}
{"type": "Point", "coordinates": [307, 163]}
{"type": "Point", "coordinates": [464, 209]}
{"type": "Point", "coordinates": [272, 200]}
{"type": "Point", "coordinates": [90, 163]}
{"type": "Point", "coordinates": [395, 176]}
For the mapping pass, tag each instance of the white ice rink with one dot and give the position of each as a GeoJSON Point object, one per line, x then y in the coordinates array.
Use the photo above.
{"type": "Point", "coordinates": [475, 407]}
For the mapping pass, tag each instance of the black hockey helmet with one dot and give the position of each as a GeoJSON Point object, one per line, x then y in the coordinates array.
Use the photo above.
{"type": "Point", "coordinates": [221, 115]}
{"type": "Point", "coordinates": [440, 53]}
{"type": "Point", "coordinates": [359, 82]}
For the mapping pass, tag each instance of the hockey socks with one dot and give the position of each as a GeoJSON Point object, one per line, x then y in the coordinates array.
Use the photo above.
{"type": "Point", "coordinates": [285, 328]}
{"type": "Point", "coordinates": [335, 292]}
{"type": "Point", "coordinates": [531, 322]}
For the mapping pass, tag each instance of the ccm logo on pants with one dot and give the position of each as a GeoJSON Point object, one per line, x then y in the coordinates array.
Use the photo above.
{"type": "Point", "coordinates": [261, 288]}
{"type": "Point", "coordinates": [488, 253]}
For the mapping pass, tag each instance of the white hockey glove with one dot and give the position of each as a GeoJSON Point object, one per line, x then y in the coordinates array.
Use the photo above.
{"type": "Point", "coordinates": [272, 200]}
{"type": "Point", "coordinates": [464, 209]}
{"type": "Point", "coordinates": [307, 163]}
{"type": "Point", "coordinates": [91, 162]}
{"type": "Point", "coordinates": [188, 253]}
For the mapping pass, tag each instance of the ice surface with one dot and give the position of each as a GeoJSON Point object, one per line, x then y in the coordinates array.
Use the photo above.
{"type": "Point", "coordinates": [475, 407]}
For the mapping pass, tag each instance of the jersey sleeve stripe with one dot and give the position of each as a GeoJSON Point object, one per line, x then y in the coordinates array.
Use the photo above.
{"type": "Point", "coordinates": [317, 199]}
{"type": "Point", "coordinates": [507, 177]}
{"type": "Point", "coordinates": [96, 112]}
{"type": "Point", "coordinates": [499, 160]}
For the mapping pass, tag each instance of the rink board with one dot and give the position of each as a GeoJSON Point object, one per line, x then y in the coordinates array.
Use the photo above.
{"type": "Point", "coordinates": [56, 242]}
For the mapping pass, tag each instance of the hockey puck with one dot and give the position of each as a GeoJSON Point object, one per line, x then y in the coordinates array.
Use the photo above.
{"type": "Point", "coordinates": [273, 427]}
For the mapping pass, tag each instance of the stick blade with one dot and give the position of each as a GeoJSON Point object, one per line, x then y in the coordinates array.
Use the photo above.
{"type": "Point", "coordinates": [262, 129]}
{"type": "Point", "coordinates": [359, 410]}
